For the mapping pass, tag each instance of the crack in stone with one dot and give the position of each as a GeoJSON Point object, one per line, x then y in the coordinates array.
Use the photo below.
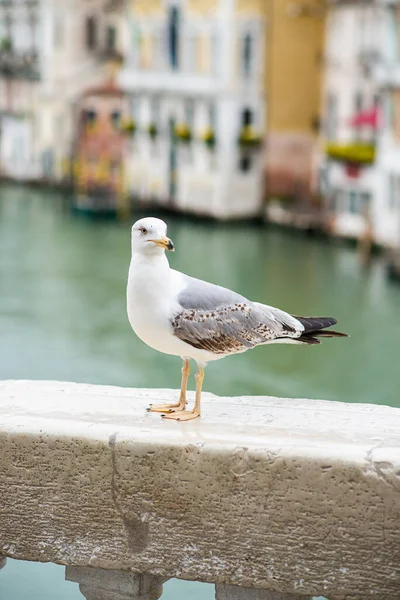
{"type": "Point", "coordinates": [137, 531]}
{"type": "Point", "coordinates": [376, 468]}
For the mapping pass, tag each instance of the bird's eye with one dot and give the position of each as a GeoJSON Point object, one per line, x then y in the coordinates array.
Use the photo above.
{"type": "Point", "coordinates": [143, 230]}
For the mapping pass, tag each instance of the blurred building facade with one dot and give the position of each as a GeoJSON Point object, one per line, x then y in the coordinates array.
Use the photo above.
{"type": "Point", "coordinates": [294, 67]}
{"type": "Point", "coordinates": [49, 52]}
{"type": "Point", "coordinates": [194, 74]}
{"type": "Point", "coordinates": [359, 168]}
{"type": "Point", "coordinates": [216, 104]}
{"type": "Point", "coordinates": [101, 145]}
{"type": "Point", "coordinates": [214, 89]}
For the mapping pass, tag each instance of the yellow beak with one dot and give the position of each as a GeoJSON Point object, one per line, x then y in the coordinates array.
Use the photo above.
{"type": "Point", "coordinates": [165, 243]}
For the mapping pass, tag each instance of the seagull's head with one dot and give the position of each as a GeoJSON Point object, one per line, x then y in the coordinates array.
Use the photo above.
{"type": "Point", "coordinates": [149, 236]}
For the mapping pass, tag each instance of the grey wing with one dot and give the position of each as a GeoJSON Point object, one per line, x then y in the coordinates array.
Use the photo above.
{"type": "Point", "coordinates": [220, 321]}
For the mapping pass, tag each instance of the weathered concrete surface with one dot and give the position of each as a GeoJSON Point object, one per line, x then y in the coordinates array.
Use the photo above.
{"type": "Point", "coordinates": [232, 592]}
{"type": "Point", "coordinates": [296, 496]}
{"type": "Point", "coordinates": [102, 584]}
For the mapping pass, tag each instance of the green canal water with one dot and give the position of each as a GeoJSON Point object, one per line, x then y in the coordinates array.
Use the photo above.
{"type": "Point", "coordinates": [62, 316]}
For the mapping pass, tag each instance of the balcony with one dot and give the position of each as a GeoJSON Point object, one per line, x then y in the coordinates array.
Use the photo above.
{"type": "Point", "coordinates": [171, 81]}
{"type": "Point", "coordinates": [357, 153]}
{"type": "Point", "coordinates": [19, 65]}
{"type": "Point", "coordinates": [267, 498]}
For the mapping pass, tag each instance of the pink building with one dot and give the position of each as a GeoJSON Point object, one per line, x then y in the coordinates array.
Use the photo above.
{"type": "Point", "coordinates": [101, 146]}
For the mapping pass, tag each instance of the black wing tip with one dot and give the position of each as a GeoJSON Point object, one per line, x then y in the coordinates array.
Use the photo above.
{"type": "Point", "coordinates": [330, 333]}
{"type": "Point", "coordinates": [312, 324]}
{"type": "Point", "coordinates": [318, 327]}
{"type": "Point", "coordinates": [308, 339]}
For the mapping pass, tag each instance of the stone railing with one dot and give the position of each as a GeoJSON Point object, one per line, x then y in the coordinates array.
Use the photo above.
{"type": "Point", "coordinates": [269, 499]}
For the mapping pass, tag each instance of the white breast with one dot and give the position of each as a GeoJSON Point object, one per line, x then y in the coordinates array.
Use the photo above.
{"type": "Point", "coordinates": [151, 300]}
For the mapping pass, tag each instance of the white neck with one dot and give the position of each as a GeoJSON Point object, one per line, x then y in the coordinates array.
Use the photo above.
{"type": "Point", "coordinates": [149, 276]}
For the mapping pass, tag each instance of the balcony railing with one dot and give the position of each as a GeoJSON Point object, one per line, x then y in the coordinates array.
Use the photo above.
{"type": "Point", "coordinates": [352, 153]}
{"type": "Point", "coordinates": [267, 498]}
{"type": "Point", "coordinates": [19, 65]}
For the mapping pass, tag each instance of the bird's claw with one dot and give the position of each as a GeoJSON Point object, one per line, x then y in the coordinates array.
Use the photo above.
{"type": "Point", "coordinates": [185, 415]}
{"type": "Point", "coordinates": [165, 408]}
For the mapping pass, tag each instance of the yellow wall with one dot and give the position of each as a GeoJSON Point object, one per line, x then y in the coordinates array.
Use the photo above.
{"type": "Point", "coordinates": [251, 7]}
{"type": "Point", "coordinates": [144, 8]}
{"type": "Point", "coordinates": [293, 67]}
{"type": "Point", "coordinates": [202, 7]}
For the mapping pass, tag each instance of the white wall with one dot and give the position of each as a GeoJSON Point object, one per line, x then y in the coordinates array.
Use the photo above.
{"type": "Point", "coordinates": [206, 182]}
{"type": "Point", "coordinates": [67, 67]}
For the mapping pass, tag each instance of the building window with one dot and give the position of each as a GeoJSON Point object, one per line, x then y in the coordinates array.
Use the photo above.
{"type": "Point", "coordinates": [91, 33]}
{"type": "Point", "coordinates": [173, 37]}
{"type": "Point", "coordinates": [135, 108]}
{"type": "Point", "coordinates": [33, 26]}
{"type": "Point", "coordinates": [247, 54]}
{"type": "Point", "coordinates": [245, 163]}
{"type": "Point", "coordinates": [337, 201]}
{"type": "Point", "coordinates": [331, 117]}
{"type": "Point", "coordinates": [365, 203]}
{"type": "Point", "coordinates": [393, 191]}
{"type": "Point", "coordinates": [323, 180]}
{"type": "Point", "coordinates": [358, 106]}
{"type": "Point", "coordinates": [247, 117]}
{"type": "Point", "coordinates": [89, 117]}
{"type": "Point", "coordinates": [353, 202]}
{"type": "Point", "coordinates": [111, 38]}
{"type": "Point", "coordinates": [215, 52]}
{"type": "Point", "coordinates": [8, 23]}
{"type": "Point", "coordinates": [212, 116]}
{"type": "Point", "coordinates": [155, 111]}
{"type": "Point", "coordinates": [115, 118]}
{"type": "Point", "coordinates": [48, 163]}
{"type": "Point", "coordinates": [245, 160]}
{"type": "Point", "coordinates": [377, 107]}
{"type": "Point", "coordinates": [315, 123]}
{"type": "Point", "coordinates": [92, 116]}
{"type": "Point", "coordinates": [393, 32]}
{"type": "Point", "coordinates": [135, 36]}
{"type": "Point", "coordinates": [59, 20]}
{"type": "Point", "coordinates": [189, 112]}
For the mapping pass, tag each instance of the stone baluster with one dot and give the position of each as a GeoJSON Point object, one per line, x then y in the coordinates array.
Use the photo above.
{"type": "Point", "coordinates": [103, 584]}
{"type": "Point", "coordinates": [233, 592]}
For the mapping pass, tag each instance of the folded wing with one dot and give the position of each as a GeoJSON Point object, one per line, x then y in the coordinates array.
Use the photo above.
{"type": "Point", "coordinates": [220, 321]}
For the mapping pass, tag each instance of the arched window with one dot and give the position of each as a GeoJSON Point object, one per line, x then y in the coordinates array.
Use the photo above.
{"type": "Point", "coordinates": [173, 37]}
{"type": "Point", "coordinates": [115, 118]}
{"type": "Point", "coordinates": [245, 163]}
{"type": "Point", "coordinates": [247, 117]}
{"type": "Point", "coordinates": [111, 38]}
{"type": "Point", "coordinates": [91, 33]}
{"type": "Point", "coordinates": [88, 116]}
{"type": "Point", "coordinates": [245, 159]}
{"type": "Point", "coordinates": [247, 55]}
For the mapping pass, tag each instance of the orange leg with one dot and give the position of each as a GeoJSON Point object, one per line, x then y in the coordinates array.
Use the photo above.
{"type": "Point", "coordinates": [188, 415]}
{"type": "Point", "coordinates": [181, 405]}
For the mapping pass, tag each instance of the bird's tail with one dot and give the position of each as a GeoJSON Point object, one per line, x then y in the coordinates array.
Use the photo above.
{"type": "Point", "coordinates": [316, 327]}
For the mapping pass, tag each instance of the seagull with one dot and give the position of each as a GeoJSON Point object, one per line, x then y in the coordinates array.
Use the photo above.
{"type": "Point", "coordinates": [183, 316]}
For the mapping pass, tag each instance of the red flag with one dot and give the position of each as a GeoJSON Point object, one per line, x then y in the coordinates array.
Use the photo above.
{"type": "Point", "coordinates": [366, 117]}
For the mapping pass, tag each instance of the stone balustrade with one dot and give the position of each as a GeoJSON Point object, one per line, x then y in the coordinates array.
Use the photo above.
{"type": "Point", "coordinates": [267, 498]}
